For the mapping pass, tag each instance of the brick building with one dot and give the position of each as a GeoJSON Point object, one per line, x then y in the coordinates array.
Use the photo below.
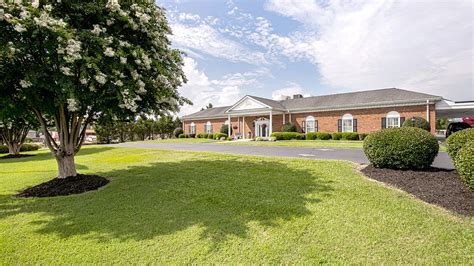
{"type": "Point", "coordinates": [363, 111]}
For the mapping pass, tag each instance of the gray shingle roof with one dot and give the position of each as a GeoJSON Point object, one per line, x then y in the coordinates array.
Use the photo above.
{"type": "Point", "coordinates": [351, 100]}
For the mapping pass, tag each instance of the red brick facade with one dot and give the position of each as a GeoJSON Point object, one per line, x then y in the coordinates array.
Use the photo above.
{"type": "Point", "coordinates": [368, 120]}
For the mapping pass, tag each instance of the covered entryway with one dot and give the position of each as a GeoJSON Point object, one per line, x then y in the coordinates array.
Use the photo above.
{"type": "Point", "coordinates": [262, 126]}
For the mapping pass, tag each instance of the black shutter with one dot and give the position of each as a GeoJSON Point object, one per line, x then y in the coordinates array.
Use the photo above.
{"type": "Point", "coordinates": [339, 125]}
{"type": "Point", "coordinates": [402, 119]}
{"type": "Point", "coordinates": [315, 125]}
{"type": "Point", "coordinates": [384, 122]}
{"type": "Point", "coordinates": [354, 125]}
{"type": "Point", "coordinates": [303, 126]}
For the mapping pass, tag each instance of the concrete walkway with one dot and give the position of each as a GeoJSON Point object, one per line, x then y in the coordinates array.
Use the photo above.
{"type": "Point", "coordinates": [353, 155]}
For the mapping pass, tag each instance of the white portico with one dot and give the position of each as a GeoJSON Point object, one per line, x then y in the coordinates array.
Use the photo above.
{"type": "Point", "coordinates": [258, 112]}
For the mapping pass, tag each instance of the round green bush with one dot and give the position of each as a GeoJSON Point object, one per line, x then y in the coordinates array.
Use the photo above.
{"type": "Point", "coordinates": [418, 122]}
{"type": "Point", "coordinates": [401, 148]}
{"type": "Point", "coordinates": [323, 135]}
{"type": "Point", "coordinates": [350, 135]}
{"type": "Point", "coordinates": [3, 149]}
{"type": "Point", "coordinates": [177, 131]}
{"type": "Point", "coordinates": [311, 136]}
{"type": "Point", "coordinates": [210, 136]}
{"type": "Point", "coordinates": [362, 136]}
{"type": "Point", "coordinates": [182, 136]}
{"type": "Point", "coordinates": [336, 135]}
{"type": "Point", "coordinates": [218, 136]}
{"type": "Point", "coordinates": [289, 127]}
{"type": "Point", "coordinates": [457, 140]}
{"type": "Point", "coordinates": [465, 164]}
{"type": "Point", "coordinates": [29, 147]}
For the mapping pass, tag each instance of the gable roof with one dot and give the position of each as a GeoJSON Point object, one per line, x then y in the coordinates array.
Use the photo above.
{"type": "Point", "coordinates": [341, 101]}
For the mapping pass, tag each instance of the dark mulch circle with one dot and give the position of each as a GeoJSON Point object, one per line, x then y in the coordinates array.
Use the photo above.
{"type": "Point", "coordinates": [65, 186]}
{"type": "Point", "coordinates": [437, 186]}
{"type": "Point", "coordinates": [11, 156]}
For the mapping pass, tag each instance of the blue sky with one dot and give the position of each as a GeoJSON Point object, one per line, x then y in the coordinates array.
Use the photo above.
{"type": "Point", "coordinates": [274, 48]}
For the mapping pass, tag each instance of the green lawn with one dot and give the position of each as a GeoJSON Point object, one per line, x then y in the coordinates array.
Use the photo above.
{"type": "Point", "coordinates": [185, 207]}
{"type": "Point", "coordinates": [349, 144]}
{"type": "Point", "coordinates": [186, 140]}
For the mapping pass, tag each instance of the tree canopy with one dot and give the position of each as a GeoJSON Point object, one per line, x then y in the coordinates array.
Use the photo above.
{"type": "Point", "coordinates": [81, 60]}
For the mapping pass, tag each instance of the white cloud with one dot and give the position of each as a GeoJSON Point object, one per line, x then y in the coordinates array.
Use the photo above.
{"type": "Point", "coordinates": [419, 45]}
{"type": "Point", "coordinates": [288, 91]}
{"type": "Point", "coordinates": [220, 92]}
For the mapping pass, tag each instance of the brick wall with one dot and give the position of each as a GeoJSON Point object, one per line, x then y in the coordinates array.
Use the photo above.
{"type": "Point", "coordinates": [368, 120]}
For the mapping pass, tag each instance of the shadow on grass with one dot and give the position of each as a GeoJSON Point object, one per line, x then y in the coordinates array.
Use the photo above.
{"type": "Point", "coordinates": [46, 155]}
{"type": "Point", "coordinates": [219, 199]}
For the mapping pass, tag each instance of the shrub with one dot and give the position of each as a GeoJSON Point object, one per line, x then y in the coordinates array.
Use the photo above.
{"type": "Point", "coordinates": [323, 135]}
{"type": "Point", "coordinates": [311, 136]}
{"type": "Point", "coordinates": [28, 140]}
{"type": "Point", "coordinates": [465, 164]}
{"type": "Point", "coordinates": [336, 135]}
{"type": "Point", "coordinates": [201, 135]}
{"type": "Point", "coordinates": [29, 147]}
{"type": "Point", "coordinates": [350, 135]}
{"type": "Point", "coordinates": [289, 127]}
{"type": "Point", "coordinates": [223, 129]}
{"type": "Point", "coordinates": [219, 136]}
{"type": "Point", "coordinates": [177, 131]}
{"type": "Point", "coordinates": [418, 122]}
{"type": "Point", "coordinates": [191, 135]}
{"type": "Point", "coordinates": [3, 149]}
{"type": "Point", "coordinates": [210, 136]}
{"type": "Point", "coordinates": [401, 148]}
{"type": "Point", "coordinates": [24, 147]}
{"type": "Point", "coordinates": [182, 136]}
{"type": "Point", "coordinates": [287, 136]}
{"type": "Point", "coordinates": [362, 136]}
{"type": "Point", "coordinates": [457, 140]}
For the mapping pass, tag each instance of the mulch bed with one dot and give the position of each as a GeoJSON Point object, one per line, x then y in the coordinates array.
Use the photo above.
{"type": "Point", "coordinates": [437, 186]}
{"type": "Point", "coordinates": [65, 186]}
{"type": "Point", "coordinates": [11, 156]}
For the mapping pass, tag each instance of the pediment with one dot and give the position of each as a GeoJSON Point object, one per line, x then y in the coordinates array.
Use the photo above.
{"type": "Point", "coordinates": [247, 104]}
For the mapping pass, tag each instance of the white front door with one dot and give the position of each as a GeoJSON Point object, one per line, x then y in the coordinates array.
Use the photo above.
{"type": "Point", "coordinates": [261, 128]}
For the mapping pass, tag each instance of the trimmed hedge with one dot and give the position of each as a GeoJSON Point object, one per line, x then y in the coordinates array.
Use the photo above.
{"type": "Point", "coordinates": [401, 148]}
{"type": "Point", "coordinates": [23, 148]}
{"type": "Point", "coordinates": [465, 164]}
{"type": "Point", "coordinates": [210, 136]}
{"type": "Point", "coordinates": [419, 122]}
{"type": "Point", "coordinates": [336, 135]}
{"type": "Point", "coordinates": [311, 136]}
{"type": "Point", "coordinates": [289, 127]}
{"type": "Point", "coordinates": [350, 135]}
{"type": "Point", "coordinates": [457, 140]}
{"type": "Point", "coordinates": [287, 136]}
{"type": "Point", "coordinates": [201, 136]}
{"type": "Point", "coordinates": [183, 136]}
{"type": "Point", "coordinates": [362, 136]}
{"type": "Point", "coordinates": [177, 131]}
{"type": "Point", "coordinates": [218, 136]}
{"type": "Point", "coordinates": [323, 135]}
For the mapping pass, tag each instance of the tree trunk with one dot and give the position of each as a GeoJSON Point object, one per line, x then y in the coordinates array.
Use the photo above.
{"type": "Point", "coordinates": [13, 148]}
{"type": "Point", "coordinates": [66, 166]}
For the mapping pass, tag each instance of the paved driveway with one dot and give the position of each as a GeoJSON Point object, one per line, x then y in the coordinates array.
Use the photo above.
{"type": "Point", "coordinates": [353, 155]}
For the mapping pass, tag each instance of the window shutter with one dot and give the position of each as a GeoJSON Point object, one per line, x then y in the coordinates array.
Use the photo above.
{"type": "Point", "coordinates": [339, 125]}
{"type": "Point", "coordinates": [303, 126]}
{"type": "Point", "coordinates": [384, 122]}
{"type": "Point", "coordinates": [402, 119]}
{"type": "Point", "coordinates": [354, 125]}
{"type": "Point", "coordinates": [315, 125]}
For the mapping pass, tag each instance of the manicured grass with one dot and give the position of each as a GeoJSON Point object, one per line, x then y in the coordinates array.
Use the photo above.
{"type": "Point", "coordinates": [187, 140]}
{"type": "Point", "coordinates": [349, 144]}
{"type": "Point", "coordinates": [184, 207]}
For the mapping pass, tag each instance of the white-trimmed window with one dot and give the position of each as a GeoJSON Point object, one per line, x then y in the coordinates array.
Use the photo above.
{"type": "Point", "coordinates": [310, 124]}
{"type": "Point", "coordinates": [347, 123]}
{"type": "Point", "coordinates": [192, 128]}
{"type": "Point", "coordinates": [393, 119]}
{"type": "Point", "coordinates": [208, 127]}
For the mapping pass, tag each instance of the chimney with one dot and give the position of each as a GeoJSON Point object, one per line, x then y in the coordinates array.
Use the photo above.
{"type": "Point", "coordinates": [297, 96]}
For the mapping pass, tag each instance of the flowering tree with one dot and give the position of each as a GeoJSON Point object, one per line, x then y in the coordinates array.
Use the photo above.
{"type": "Point", "coordinates": [83, 60]}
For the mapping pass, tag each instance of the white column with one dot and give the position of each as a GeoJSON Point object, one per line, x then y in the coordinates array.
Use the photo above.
{"type": "Point", "coordinates": [228, 126]}
{"type": "Point", "coordinates": [243, 127]}
{"type": "Point", "coordinates": [284, 118]}
{"type": "Point", "coordinates": [271, 124]}
{"type": "Point", "coordinates": [289, 117]}
{"type": "Point", "coordinates": [428, 110]}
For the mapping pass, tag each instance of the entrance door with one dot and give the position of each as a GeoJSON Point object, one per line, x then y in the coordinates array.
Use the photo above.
{"type": "Point", "coordinates": [261, 128]}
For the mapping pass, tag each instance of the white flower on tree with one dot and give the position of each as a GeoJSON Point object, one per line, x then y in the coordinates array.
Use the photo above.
{"type": "Point", "coordinates": [72, 105]}
{"type": "Point", "coordinates": [97, 29]}
{"type": "Point", "coordinates": [66, 71]}
{"type": "Point", "coordinates": [123, 60]}
{"type": "Point", "coordinates": [20, 28]}
{"type": "Point", "coordinates": [25, 83]}
{"type": "Point", "coordinates": [113, 5]}
{"type": "Point", "coordinates": [109, 52]}
{"type": "Point", "coordinates": [101, 78]}
{"type": "Point", "coordinates": [73, 51]}
{"type": "Point", "coordinates": [118, 83]}
{"type": "Point", "coordinates": [84, 81]}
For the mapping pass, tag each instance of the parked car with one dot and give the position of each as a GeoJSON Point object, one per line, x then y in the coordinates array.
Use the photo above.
{"type": "Point", "coordinates": [456, 126]}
